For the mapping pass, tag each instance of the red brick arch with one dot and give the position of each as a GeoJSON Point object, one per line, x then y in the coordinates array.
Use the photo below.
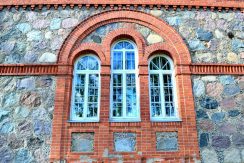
{"type": "Point", "coordinates": [128, 33]}
{"type": "Point", "coordinates": [157, 25]}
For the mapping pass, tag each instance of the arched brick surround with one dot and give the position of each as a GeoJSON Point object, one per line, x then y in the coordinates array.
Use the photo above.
{"type": "Point", "coordinates": [173, 45]}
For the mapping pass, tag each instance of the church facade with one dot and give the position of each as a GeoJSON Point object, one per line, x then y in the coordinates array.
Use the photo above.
{"type": "Point", "coordinates": [122, 81]}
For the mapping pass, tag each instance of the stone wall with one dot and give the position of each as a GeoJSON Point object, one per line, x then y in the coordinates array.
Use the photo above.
{"type": "Point", "coordinates": [26, 103]}
{"type": "Point", "coordinates": [26, 109]}
{"type": "Point", "coordinates": [219, 104]}
{"type": "Point", "coordinates": [211, 36]}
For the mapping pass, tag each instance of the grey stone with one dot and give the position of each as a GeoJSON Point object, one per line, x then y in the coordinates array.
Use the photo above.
{"type": "Point", "coordinates": [209, 156]}
{"type": "Point", "coordinates": [40, 45]}
{"type": "Point", "coordinates": [42, 127]}
{"type": "Point", "coordinates": [9, 100]}
{"type": "Point", "coordinates": [41, 24]}
{"type": "Point", "coordinates": [7, 47]}
{"type": "Point", "coordinates": [219, 34]}
{"type": "Point", "coordinates": [221, 142]}
{"type": "Point", "coordinates": [204, 139]}
{"type": "Point", "coordinates": [233, 113]}
{"type": "Point", "coordinates": [26, 83]}
{"type": "Point", "coordinates": [196, 45]}
{"type": "Point", "coordinates": [3, 113]}
{"type": "Point", "coordinates": [231, 90]}
{"type": "Point", "coordinates": [31, 99]}
{"type": "Point", "coordinates": [227, 128]}
{"type": "Point", "coordinates": [206, 125]}
{"type": "Point", "coordinates": [125, 142]}
{"type": "Point", "coordinates": [25, 128]}
{"type": "Point", "coordinates": [48, 57]}
{"type": "Point", "coordinates": [166, 141]}
{"type": "Point", "coordinates": [209, 78]}
{"type": "Point", "coordinates": [202, 114]}
{"type": "Point", "coordinates": [44, 82]}
{"type": "Point", "coordinates": [23, 155]}
{"type": "Point", "coordinates": [228, 103]}
{"type": "Point", "coordinates": [154, 38]}
{"type": "Point", "coordinates": [82, 142]}
{"type": "Point", "coordinates": [24, 27]}
{"type": "Point", "coordinates": [3, 140]}
{"type": "Point", "coordinates": [6, 155]}
{"type": "Point", "coordinates": [56, 43]}
{"type": "Point", "coordinates": [174, 20]}
{"type": "Point", "coordinates": [204, 35]}
{"type": "Point", "coordinates": [96, 39]}
{"type": "Point", "coordinates": [55, 24]}
{"type": "Point", "coordinates": [198, 88]}
{"type": "Point", "coordinates": [6, 127]}
{"type": "Point", "coordinates": [227, 79]}
{"type": "Point", "coordinates": [34, 143]}
{"type": "Point", "coordinates": [238, 140]}
{"type": "Point", "coordinates": [69, 22]}
{"type": "Point", "coordinates": [156, 12]}
{"type": "Point", "coordinates": [237, 45]}
{"type": "Point", "coordinates": [232, 156]}
{"type": "Point", "coordinates": [208, 103]}
{"type": "Point", "coordinates": [40, 113]}
{"type": "Point", "coordinates": [14, 142]}
{"type": "Point", "coordinates": [218, 117]}
{"type": "Point", "coordinates": [31, 16]}
{"type": "Point", "coordinates": [30, 57]}
{"type": "Point", "coordinates": [21, 112]}
{"type": "Point", "coordinates": [34, 36]}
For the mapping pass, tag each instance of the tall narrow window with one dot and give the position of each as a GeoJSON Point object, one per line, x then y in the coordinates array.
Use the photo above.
{"type": "Point", "coordinates": [86, 89]}
{"type": "Point", "coordinates": [162, 89]}
{"type": "Point", "coordinates": [124, 82]}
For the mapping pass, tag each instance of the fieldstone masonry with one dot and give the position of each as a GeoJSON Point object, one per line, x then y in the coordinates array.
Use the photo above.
{"type": "Point", "coordinates": [219, 104]}
{"type": "Point", "coordinates": [26, 103]}
{"type": "Point", "coordinates": [26, 109]}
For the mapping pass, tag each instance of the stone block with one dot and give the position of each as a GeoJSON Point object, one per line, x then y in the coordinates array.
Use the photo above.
{"type": "Point", "coordinates": [218, 117]}
{"type": "Point", "coordinates": [82, 142]}
{"type": "Point", "coordinates": [232, 156]}
{"type": "Point", "coordinates": [166, 141]}
{"type": "Point", "coordinates": [231, 90]}
{"type": "Point", "coordinates": [221, 142]}
{"type": "Point", "coordinates": [198, 88]}
{"type": "Point", "coordinates": [124, 142]}
{"type": "Point", "coordinates": [208, 103]}
{"type": "Point", "coordinates": [204, 35]}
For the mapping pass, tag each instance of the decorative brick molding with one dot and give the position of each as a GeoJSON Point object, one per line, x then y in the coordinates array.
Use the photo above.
{"type": "Point", "coordinates": [52, 69]}
{"type": "Point", "coordinates": [121, 4]}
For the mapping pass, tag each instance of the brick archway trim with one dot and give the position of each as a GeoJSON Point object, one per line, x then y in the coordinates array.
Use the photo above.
{"type": "Point", "coordinates": [90, 47]}
{"type": "Point", "coordinates": [157, 25]}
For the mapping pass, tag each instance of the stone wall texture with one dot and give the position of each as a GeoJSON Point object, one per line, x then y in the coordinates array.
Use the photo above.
{"type": "Point", "coordinates": [212, 37]}
{"type": "Point", "coordinates": [219, 104]}
{"type": "Point", "coordinates": [26, 110]}
{"type": "Point", "coordinates": [26, 103]}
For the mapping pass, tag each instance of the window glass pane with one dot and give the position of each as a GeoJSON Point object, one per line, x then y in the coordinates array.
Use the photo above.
{"type": "Point", "coordinates": [168, 95]}
{"type": "Point", "coordinates": [123, 45]}
{"type": "Point", "coordinates": [131, 95]}
{"type": "Point", "coordinates": [93, 95]}
{"type": "Point", "coordinates": [155, 95]}
{"type": "Point", "coordinates": [159, 63]}
{"type": "Point", "coordinates": [88, 63]}
{"type": "Point", "coordinates": [79, 95]}
{"type": "Point", "coordinates": [117, 60]}
{"type": "Point", "coordinates": [117, 95]}
{"type": "Point", "coordinates": [130, 60]}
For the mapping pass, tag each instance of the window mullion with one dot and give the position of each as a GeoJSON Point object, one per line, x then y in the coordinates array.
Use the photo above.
{"type": "Point", "coordinates": [162, 95]}
{"type": "Point", "coordinates": [86, 95]}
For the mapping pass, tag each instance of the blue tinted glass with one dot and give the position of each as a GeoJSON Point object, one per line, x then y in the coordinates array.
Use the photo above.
{"type": "Point", "coordinates": [88, 63]}
{"type": "Point", "coordinates": [130, 60]}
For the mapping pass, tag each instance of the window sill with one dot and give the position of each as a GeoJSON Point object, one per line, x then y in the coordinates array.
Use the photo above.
{"type": "Point", "coordinates": [167, 120]}
{"type": "Point", "coordinates": [83, 121]}
{"type": "Point", "coordinates": [124, 120]}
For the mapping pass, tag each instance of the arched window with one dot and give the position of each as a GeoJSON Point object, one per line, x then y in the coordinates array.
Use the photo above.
{"type": "Point", "coordinates": [124, 82]}
{"type": "Point", "coordinates": [162, 89]}
{"type": "Point", "coordinates": [86, 89]}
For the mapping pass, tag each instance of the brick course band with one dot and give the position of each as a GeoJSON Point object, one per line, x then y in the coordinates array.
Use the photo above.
{"type": "Point", "coordinates": [212, 4]}
{"type": "Point", "coordinates": [52, 69]}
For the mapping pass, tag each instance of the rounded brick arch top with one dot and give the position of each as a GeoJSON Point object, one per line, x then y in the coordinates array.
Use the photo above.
{"type": "Point", "coordinates": [124, 33]}
{"type": "Point", "coordinates": [157, 25]}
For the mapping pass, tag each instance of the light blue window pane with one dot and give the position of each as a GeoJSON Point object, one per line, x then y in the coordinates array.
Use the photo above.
{"type": "Point", "coordinates": [88, 63]}
{"type": "Point", "coordinates": [117, 95]}
{"type": "Point", "coordinates": [159, 63]}
{"type": "Point", "coordinates": [130, 60]}
{"type": "Point", "coordinates": [117, 60]}
{"type": "Point", "coordinates": [131, 110]}
{"type": "Point", "coordinates": [79, 109]}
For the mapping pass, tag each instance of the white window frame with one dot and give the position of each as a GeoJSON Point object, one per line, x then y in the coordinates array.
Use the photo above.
{"type": "Point", "coordinates": [161, 73]}
{"type": "Point", "coordinates": [125, 118]}
{"type": "Point", "coordinates": [86, 73]}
